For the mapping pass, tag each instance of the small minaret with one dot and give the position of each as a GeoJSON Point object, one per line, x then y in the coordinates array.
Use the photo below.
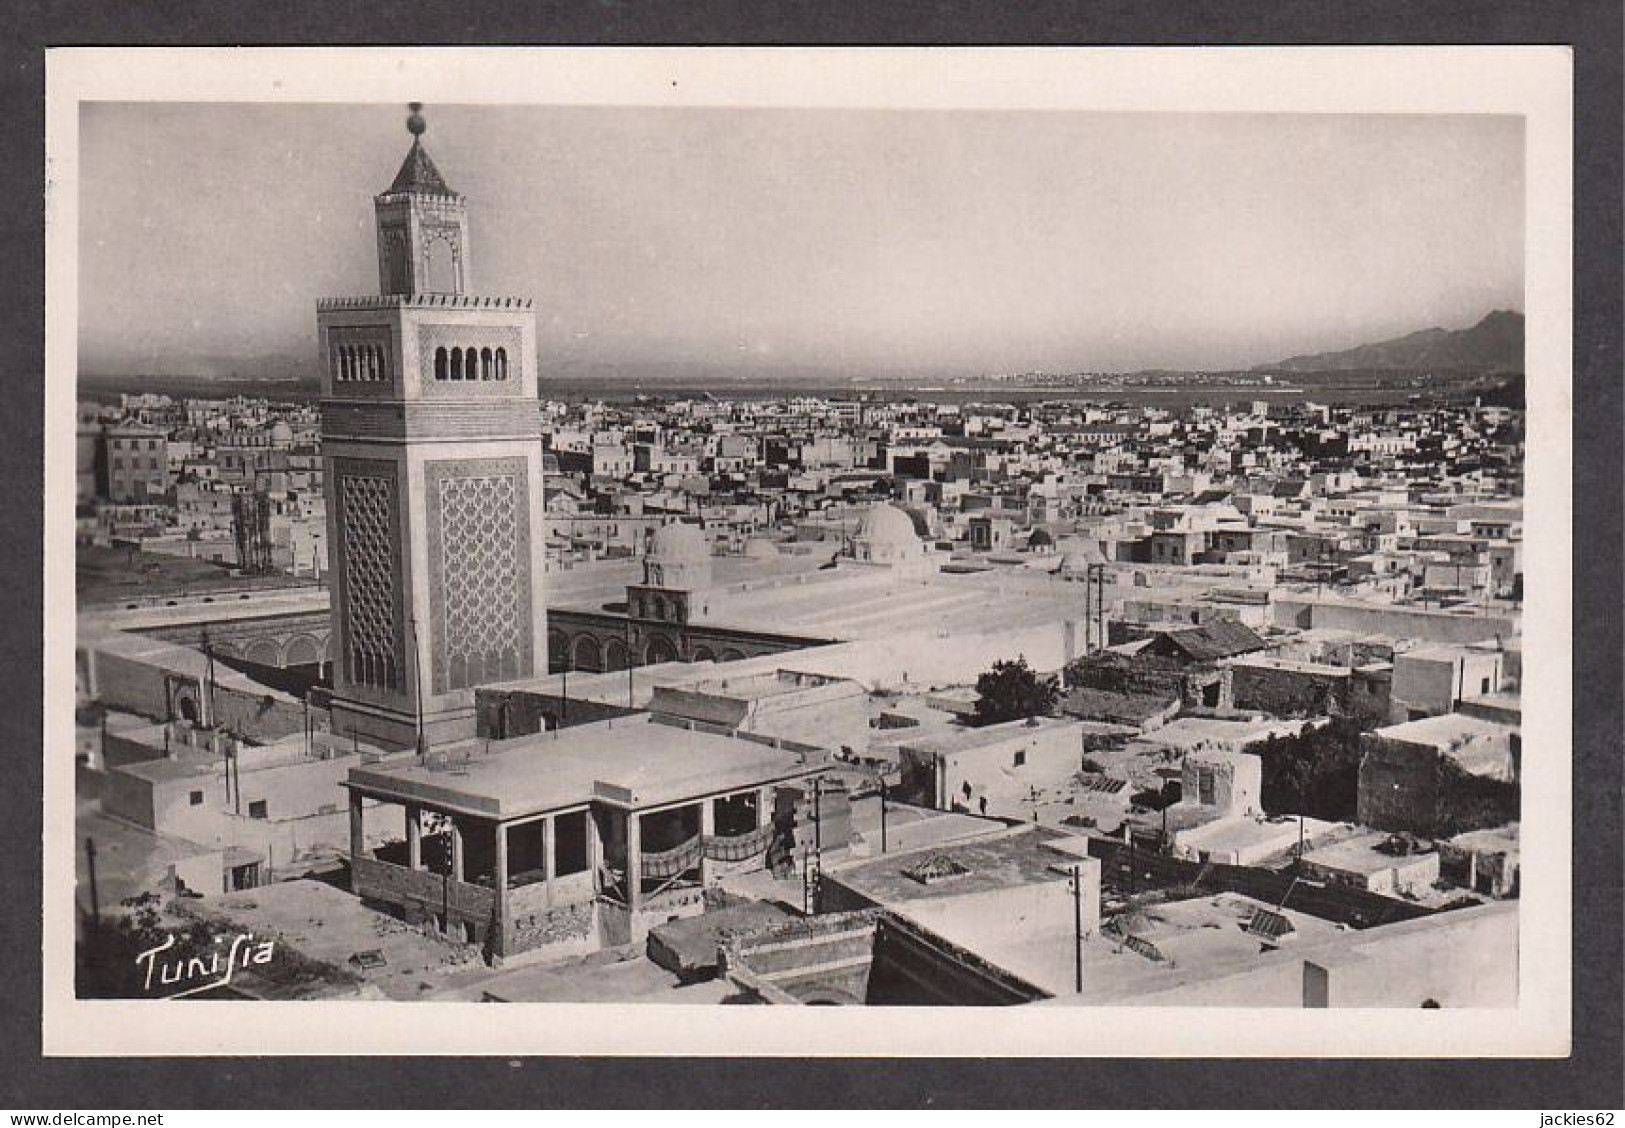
{"type": "Point", "coordinates": [431, 447]}
{"type": "Point", "coordinates": [422, 226]}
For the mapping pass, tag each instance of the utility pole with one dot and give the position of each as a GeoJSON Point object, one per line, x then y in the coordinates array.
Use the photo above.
{"type": "Point", "coordinates": [882, 816]}
{"type": "Point", "coordinates": [1094, 610]}
{"type": "Point", "coordinates": [1077, 927]}
{"type": "Point", "coordinates": [95, 899]}
{"type": "Point", "coordinates": [1100, 605]}
{"type": "Point", "coordinates": [417, 685]}
{"type": "Point", "coordinates": [806, 873]}
{"type": "Point", "coordinates": [225, 759]}
{"type": "Point", "coordinates": [208, 653]}
{"type": "Point", "coordinates": [818, 814]}
{"type": "Point", "coordinates": [1297, 864]}
{"type": "Point", "coordinates": [629, 663]}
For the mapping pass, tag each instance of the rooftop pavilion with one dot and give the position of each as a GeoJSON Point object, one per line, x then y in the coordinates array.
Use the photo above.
{"type": "Point", "coordinates": [597, 830]}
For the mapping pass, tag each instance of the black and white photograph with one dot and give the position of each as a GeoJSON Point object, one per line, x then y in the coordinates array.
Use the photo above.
{"type": "Point", "coordinates": [1082, 538]}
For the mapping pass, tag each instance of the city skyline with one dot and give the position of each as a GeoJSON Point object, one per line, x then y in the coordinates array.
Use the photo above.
{"type": "Point", "coordinates": [773, 242]}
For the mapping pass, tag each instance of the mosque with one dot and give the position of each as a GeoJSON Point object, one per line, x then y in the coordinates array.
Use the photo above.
{"type": "Point", "coordinates": [587, 834]}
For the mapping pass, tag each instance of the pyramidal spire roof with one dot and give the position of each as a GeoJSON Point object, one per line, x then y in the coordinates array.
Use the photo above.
{"type": "Point", "coordinates": [418, 173]}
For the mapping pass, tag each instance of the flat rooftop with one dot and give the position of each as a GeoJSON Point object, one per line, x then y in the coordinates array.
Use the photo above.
{"type": "Point", "coordinates": [129, 859]}
{"type": "Point", "coordinates": [1319, 669]}
{"type": "Point", "coordinates": [228, 606]}
{"type": "Point", "coordinates": [964, 739]}
{"type": "Point", "coordinates": [1021, 857]}
{"type": "Point", "coordinates": [1495, 839]}
{"type": "Point", "coordinates": [114, 577]}
{"type": "Point", "coordinates": [761, 686]}
{"type": "Point", "coordinates": [1186, 732]}
{"type": "Point", "coordinates": [633, 762]}
{"type": "Point", "coordinates": [1438, 652]}
{"type": "Point", "coordinates": [1357, 855]}
{"type": "Point", "coordinates": [1202, 937]}
{"type": "Point", "coordinates": [171, 657]}
{"type": "Point", "coordinates": [1444, 730]}
{"type": "Point", "coordinates": [793, 595]}
{"type": "Point", "coordinates": [1240, 832]}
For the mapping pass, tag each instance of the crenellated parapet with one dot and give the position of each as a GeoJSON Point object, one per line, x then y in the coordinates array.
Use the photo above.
{"type": "Point", "coordinates": [420, 301]}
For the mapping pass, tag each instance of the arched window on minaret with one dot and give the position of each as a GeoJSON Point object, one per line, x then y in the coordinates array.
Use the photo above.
{"type": "Point", "coordinates": [439, 266]}
{"type": "Point", "coordinates": [485, 364]}
{"type": "Point", "coordinates": [457, 364]}
{"type": "Point", "coordinates": [440, 363]}
{"type": "Point", "coordinates": [502, 363]}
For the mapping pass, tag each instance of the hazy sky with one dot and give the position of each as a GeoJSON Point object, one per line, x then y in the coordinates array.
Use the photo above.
{"type": "Point", "coordinates": [862, 241]}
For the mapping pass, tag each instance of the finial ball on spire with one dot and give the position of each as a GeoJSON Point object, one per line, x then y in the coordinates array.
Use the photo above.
{"type": "Point", "coordinates": [415, 125]}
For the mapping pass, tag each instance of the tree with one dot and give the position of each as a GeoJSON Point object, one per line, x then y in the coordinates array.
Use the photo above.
{"type": "Point", "coordinates": [1011, 691]}
{"type": "Point", "coordinates": [1471, 802]}
{"type": "Point", "coordinates": [1315, 773]}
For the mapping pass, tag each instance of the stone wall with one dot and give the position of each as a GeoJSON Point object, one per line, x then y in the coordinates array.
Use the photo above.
{"type": "Point", "coordinates": [1426, 625]}
{"type": "Point", "coordinates": [148, 690]}
{"type": "Point", "coordinates": [134, 686]}
{"type": "Point", "coordinates": [1291, 691]}
{"type": "Point", "coordinates": [1416, 788]}
{"type": "Point", "coordinates": [570, 930]}
{"type": "Point", "coordinates": [1399, 786]}
{"type": "Point", "coordinates": [1146, 677]}
{"type": "Point", "coordinates": [820, 959]}
{"type": "Point", "coordinates": [421, 896]}
{"type": "Point", "coordinates": [528, 712]}
{"type": "Point", "coordinates": [261, 718]}
{"type": "Point", "coordinates": [912, 966]}
{"type": "Point", "coordinates": [1342, 904]}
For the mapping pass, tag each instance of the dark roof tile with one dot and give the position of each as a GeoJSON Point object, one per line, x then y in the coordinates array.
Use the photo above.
{"type": "Point", "coordinates": [418, 174]}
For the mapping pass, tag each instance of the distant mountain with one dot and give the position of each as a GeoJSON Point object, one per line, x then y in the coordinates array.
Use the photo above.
{"type": "Point", "coordinates": [1495, 344]}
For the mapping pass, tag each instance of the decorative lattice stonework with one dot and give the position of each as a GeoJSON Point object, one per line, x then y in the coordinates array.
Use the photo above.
{"type": "Point", "coordinates": [369, 549]}
{"type": "Point", "coordinates": [479, 571]}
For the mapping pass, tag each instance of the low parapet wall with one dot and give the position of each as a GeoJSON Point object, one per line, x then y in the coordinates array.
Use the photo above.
{"type": "Point", "coordinates": [868, 957]}
{"type": "Point", "coordinates": [1339, 903]}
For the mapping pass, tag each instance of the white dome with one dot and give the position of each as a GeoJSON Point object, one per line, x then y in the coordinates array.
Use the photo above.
{"type": "Point", "coordinates": [679, 558]}
{"type": "Point", "coordinates": [679, 542]}
{"type": "Point", "coordinates": [886, 526]}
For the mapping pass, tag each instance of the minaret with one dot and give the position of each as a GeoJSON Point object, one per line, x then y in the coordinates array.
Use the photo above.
{"type": "Point", "coordinates": [431, 448]}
